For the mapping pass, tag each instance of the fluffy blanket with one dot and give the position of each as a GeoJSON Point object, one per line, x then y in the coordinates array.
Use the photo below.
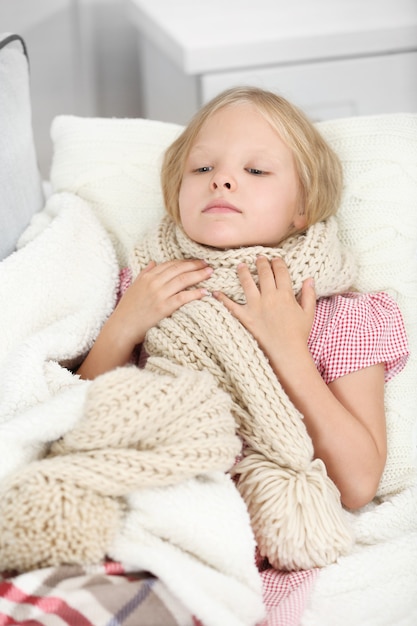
{"type": "Point", "coordinates": [59, 288]}
{"type": "Point", "coordinates": [375, 585]}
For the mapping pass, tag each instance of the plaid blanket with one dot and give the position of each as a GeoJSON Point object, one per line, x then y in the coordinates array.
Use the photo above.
{"type": "Point", "coordinates": [108, 595]}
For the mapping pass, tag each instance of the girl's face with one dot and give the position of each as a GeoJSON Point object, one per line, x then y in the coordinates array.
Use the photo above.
{"type": "Point", "coordinates": [240, 185]}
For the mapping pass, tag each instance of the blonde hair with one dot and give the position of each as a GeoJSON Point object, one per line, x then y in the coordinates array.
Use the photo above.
{"type": "Point", "coordinates": [318, 167]}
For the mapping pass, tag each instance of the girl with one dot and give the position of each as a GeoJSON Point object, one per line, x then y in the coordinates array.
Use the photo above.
{"type": "Point", "coordinates": [252, 172]}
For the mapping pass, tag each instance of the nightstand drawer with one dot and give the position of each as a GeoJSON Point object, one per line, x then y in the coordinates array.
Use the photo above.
{"type": "Point", "coordinates": [338, 88]}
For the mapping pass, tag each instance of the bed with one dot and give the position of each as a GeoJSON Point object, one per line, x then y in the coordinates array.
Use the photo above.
{"type": "Point", "coordinates": [179, 552]}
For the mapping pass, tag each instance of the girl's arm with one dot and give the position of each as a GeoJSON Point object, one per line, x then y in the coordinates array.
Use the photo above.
{"type": "Point", "coordinates": [345, 419]}
{"type": "Point", "coordinates": [156, 293]}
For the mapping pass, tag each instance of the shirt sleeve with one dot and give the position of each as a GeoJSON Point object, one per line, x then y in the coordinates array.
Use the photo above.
{"type": "Point", "coordinates": [361, 330]}
{"type": "Point", "coordinates": [125, 280]}
{"type": "Point", "coordinates": [139, 355]}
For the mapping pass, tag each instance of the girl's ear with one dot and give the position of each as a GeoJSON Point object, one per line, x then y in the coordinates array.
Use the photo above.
{"type": "Point", "coordinates": [300, 221]}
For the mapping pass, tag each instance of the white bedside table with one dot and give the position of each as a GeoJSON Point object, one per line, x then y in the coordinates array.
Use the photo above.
{"type": "Point", "coordinates": [334, 58]}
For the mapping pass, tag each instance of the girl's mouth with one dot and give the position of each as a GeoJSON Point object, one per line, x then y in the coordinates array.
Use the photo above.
{"type": "Point", "coordinates": [220, 206]}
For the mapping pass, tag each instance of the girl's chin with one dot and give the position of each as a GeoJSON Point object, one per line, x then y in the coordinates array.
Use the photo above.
{"type": "Point", "coordinates": [217, 239]}
{"type": "Point", "coordinates": [230, 243]}
{"type": "Point", "coordinates": [222, 238]}
{"type": "Point", "coordinates": [221, 243]}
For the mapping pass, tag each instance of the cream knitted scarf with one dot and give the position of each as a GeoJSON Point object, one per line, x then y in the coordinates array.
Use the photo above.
{"type": "Point", "coordinates": [139, 430]}
{"type": "Point", "coordinates": [294, 507]}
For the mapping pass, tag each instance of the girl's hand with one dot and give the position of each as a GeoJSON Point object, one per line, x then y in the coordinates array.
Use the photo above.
{"type": "Point", "coordinates": [278, 321]}
{"type": "Point", "coordinates": [156, 293]}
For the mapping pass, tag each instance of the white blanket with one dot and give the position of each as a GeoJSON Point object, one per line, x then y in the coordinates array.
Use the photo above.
{"type": "Point", "coordinates": [56, 291]}
{"type": "Point", "coordinates": [375, 585]}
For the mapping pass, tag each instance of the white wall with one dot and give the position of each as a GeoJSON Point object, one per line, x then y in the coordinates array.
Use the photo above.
{"type": "Point", "coordinates": [83, 60]}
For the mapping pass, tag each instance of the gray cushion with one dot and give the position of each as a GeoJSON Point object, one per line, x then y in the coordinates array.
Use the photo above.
{"type": "Point", "coordinates": [20, 182]}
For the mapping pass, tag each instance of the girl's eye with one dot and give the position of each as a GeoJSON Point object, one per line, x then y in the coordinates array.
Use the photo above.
{"type": "Point", "coordinates": [256, 172]}
{"type": "Point", "coordinates": [201, 170]}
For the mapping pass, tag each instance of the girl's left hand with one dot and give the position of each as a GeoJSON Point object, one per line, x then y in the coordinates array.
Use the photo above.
{"type": "Point", "coordinates": [345, 419]}
{"type": "Point", "coordinates": [279, 322]}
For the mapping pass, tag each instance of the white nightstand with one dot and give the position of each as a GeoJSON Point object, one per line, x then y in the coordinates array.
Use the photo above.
{"type": "Point", "coordinates": [334, 58]}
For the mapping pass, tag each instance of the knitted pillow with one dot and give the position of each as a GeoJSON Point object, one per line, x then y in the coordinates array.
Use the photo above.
{"type": "Point", "coordinates": [378, 221]}
{"type": "Point", "coordinates": [114, 164]}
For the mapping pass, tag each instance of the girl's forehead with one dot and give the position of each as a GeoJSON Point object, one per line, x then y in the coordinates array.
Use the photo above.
{"type": "Point", "coordinates": [241, 124]}
{"type": "Point", "coordinates": [247, 118]}
{"type": "Point", "coordinates": [235, 111]}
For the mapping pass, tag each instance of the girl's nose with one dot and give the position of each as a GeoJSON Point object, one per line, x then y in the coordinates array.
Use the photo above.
{"type": "Point", "coordinates": [220, 181]}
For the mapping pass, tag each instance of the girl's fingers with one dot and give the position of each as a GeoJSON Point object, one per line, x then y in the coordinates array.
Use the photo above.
{"type": "Point", "coordinates": [308, 297]}
{"type": "Point", "coordinates": [170, 269]}
{"type": "Point", "coordinates": [179, 275]}
{"type": "Point", "coordinates": [230, 305]}
{"type": "Point", "coordinates": [281, 274]}
{"type": "Point", "coordinates": [249, 286]}
{"type": "Point", "coordinates": [183, 280]}
{"type": "Point", "coordinates": [265, 274]}
{"type": "Point", "coordinates": [184, 297]}
{"type": "Point", "coordinates": [173, 276]}
{"type": "Point", "coordinates": [149, 267]}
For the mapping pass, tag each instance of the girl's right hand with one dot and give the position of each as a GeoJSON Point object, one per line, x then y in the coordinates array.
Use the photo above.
{"type": "Point", "coordinates": [156, 293]}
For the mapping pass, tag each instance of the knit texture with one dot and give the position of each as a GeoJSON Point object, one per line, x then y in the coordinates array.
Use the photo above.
{"type": "Point", "coordinates": [377, 221]}
{"type": "Point", "coordinates": [295, 508]}
{"type": "Point", "coordinates": [139, 430]}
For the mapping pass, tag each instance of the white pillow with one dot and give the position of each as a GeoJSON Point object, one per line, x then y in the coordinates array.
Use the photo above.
{"type": "Point", "coordinates": [21, 192]}
{"type": "Point", "coordinates": [114, 164]}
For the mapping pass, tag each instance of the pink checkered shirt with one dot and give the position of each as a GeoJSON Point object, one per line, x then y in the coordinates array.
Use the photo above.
{"type": "Point", "coordinates": [353, 331]}
{"type": "Point", "coordinates": [350, 332]}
